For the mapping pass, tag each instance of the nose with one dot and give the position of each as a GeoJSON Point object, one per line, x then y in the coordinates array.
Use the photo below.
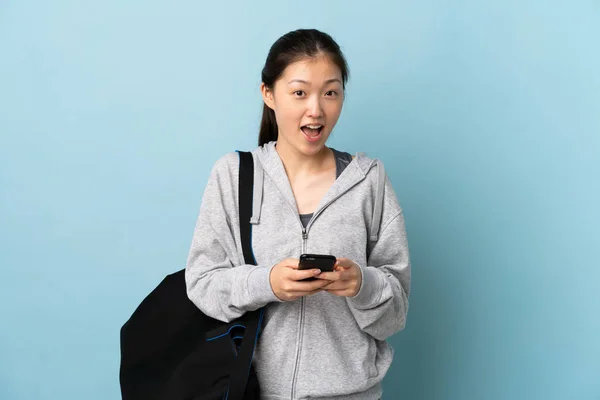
{"type": "Point", "coordinates": [314, 107]}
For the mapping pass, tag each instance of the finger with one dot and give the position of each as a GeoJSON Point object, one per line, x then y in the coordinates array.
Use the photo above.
{"type": "Point", "coordinates": [342, 275]}
{"type": "Point", "coordinates": [335, 286]}
{"type": "Point", "coordinates": [306, 286]}
{"type": "Point", "coordinates": [300, 274]}
{"type": "Point", "coordinates": [344, 262]}
{"type": "Point", "coordinates": [329, 276]}
{"type": "Point", "coordinates": [341, 292]}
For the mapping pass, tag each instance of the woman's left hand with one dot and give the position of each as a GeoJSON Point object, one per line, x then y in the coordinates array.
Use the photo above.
{"type": "Point", "coordinates": [345, 279]}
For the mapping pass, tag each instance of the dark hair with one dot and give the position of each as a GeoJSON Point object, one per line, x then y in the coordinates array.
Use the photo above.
{"type": "Point", "coordinates": [291, 47]}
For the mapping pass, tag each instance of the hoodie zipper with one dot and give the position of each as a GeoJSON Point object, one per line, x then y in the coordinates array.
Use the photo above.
{"type": "Point", "coordinates": [300, 330]}
{"type": "Point", "coordinates": [304, 240]}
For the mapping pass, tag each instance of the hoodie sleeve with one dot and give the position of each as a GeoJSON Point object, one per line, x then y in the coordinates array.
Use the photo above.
{"type": "Point", "coordinates": [381, 305]}
{"type": "Point", "coordinates": [217, 280]}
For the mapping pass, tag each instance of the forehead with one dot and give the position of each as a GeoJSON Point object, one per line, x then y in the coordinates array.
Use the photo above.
{"type": "Point", "coordinates": [312, 70]}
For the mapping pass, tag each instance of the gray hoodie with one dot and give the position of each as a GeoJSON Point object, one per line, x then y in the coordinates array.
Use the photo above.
{"type": "Point", "coordinates": [320, 346]}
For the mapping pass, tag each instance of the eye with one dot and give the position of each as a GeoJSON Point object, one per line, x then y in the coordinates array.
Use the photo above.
{"type": "Point", "coordinates": [331, 93]}
{"type": "Point", "coordinates": [299, 93]}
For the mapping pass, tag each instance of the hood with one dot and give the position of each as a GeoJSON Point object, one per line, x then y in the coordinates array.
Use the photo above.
{"type": "Point", "coordinates": [270, 163]}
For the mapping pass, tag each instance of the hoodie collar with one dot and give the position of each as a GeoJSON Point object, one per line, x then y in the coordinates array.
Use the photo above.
{"type": "Point", "coordinates": [272, 166]}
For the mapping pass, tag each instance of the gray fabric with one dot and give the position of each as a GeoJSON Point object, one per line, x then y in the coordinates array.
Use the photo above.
{"type": "Point", "coordinates": [375, 223]}
{"type": "Point", "coordinates": [320, 346]}
{"type": "Point", "coordinates": [257, 193]}
{"type": "Point", "coordinates": [342, 159]}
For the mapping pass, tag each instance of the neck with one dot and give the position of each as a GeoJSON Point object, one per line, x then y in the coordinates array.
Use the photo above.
{"type": "Point", "coordinates": [297, 163]}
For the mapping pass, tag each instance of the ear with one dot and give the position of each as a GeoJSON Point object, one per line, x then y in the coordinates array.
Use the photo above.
{"type": "Point", "coordinates": [267, 95]}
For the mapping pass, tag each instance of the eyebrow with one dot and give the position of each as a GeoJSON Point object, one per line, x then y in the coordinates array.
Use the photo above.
{"type": "Point", "coordinates": [305, 82]}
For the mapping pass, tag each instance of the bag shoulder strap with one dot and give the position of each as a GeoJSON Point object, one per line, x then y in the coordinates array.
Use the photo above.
{"type": "Point", "coordinates": [241, 369]}
{"type": "Point", "coordinates": [245, 192]}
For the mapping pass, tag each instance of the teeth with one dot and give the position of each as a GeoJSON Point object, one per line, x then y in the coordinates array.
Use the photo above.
{"type": "Point", "coordinates": [314, 126]}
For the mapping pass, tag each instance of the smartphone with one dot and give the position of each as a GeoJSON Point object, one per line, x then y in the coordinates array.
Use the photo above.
{"type": "Point", "coordinates": [324, 262]}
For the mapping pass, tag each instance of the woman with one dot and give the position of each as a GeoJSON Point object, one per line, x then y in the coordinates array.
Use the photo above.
{"type": "Point", "coordinates": [326, 337]}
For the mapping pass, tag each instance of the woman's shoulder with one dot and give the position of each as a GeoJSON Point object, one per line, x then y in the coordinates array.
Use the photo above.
{"type": "Point", "coordinates": [225, 168]}
{"type": "Point", "coordinates": [230, 161]}
{"type": "Point", "coordinates": [367, 163]}
{"type": "Point", "coordinates": [227, 161]}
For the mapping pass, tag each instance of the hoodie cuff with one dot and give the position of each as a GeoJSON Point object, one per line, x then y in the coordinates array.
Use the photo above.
{"type": "Point", "coordinates": [370, 289]}
{"type": "Point", "coordinates": [259, 287]}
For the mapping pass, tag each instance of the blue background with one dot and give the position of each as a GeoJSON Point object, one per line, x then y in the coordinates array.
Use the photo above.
{"type": "Point", "coordinates": [486, 114]}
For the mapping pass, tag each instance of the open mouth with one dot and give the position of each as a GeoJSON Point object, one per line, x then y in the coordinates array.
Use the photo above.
{"type": "Point", "coordinates": [312, 132]}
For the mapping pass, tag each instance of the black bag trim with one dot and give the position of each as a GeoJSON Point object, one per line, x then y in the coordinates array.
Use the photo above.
{"type": "Point", "coordinates": [219, 335]}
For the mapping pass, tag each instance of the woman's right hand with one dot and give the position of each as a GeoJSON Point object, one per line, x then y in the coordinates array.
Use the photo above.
{"type": "Point", "coordinates": [286, 280]}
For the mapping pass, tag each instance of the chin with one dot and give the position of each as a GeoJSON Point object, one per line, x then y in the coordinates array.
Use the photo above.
{"type": "Point", "coordinates": [301, 145]}
{"type": "Point", "coordinates": [315, 147]}
{"type": "Point", "coordinates": [311, 149]}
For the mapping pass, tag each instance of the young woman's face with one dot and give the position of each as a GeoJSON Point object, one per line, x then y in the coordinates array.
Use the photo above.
{"type": "Point", "coordinates": [307, 100]}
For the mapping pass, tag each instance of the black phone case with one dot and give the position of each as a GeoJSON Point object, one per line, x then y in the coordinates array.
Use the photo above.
{"type": "Point", "coordinates": [324, 262]}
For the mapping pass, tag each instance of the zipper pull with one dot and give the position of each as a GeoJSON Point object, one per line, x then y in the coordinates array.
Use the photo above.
{"type": "Point", "coordinates": [304, 234]}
